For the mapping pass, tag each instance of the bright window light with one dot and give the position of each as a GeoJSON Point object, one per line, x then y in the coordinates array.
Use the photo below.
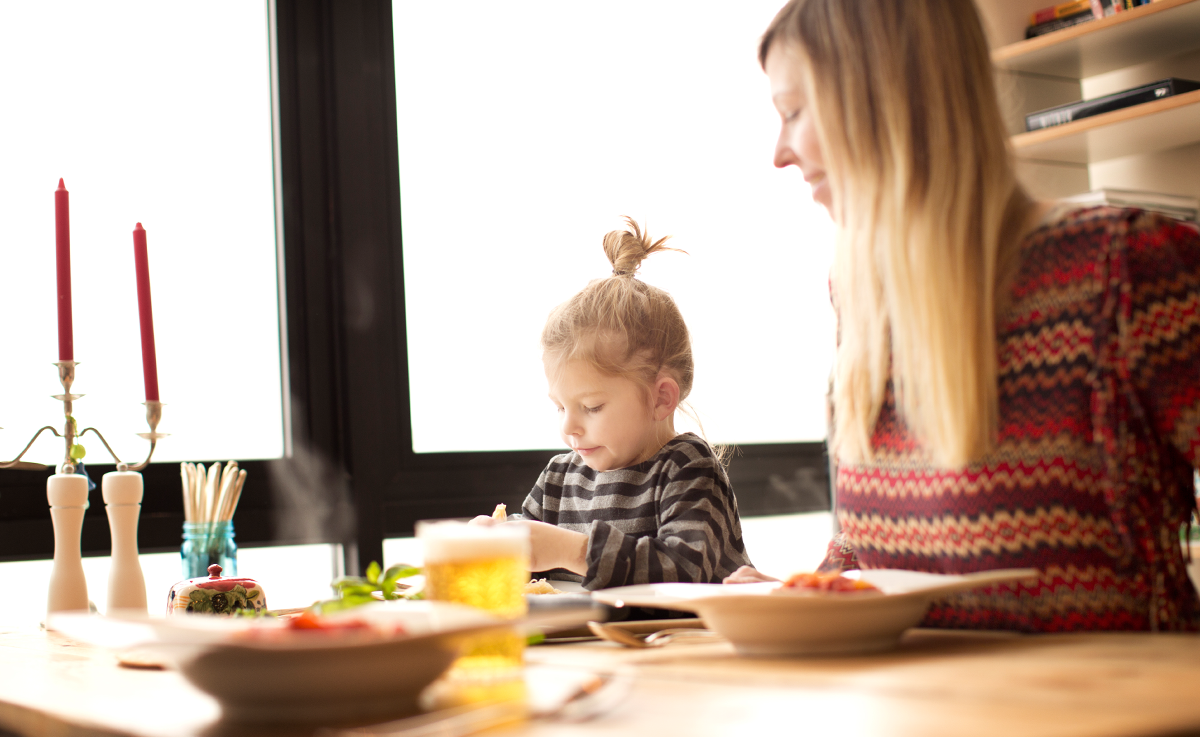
{"type": "Point", "coordinates": [526, 130]}
{"type": "Point", "coordinates": [158, 113]}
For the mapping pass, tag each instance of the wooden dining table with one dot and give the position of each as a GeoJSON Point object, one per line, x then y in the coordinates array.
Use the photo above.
{"type": "Point", "coordinates": [935, 683]}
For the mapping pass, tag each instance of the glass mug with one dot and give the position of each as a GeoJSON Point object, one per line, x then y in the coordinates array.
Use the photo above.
{"type": "Point", "coordinates": [486, 568]}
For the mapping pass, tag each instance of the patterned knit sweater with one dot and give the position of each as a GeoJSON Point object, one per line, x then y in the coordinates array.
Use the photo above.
{"type": "Point", "coordinates": [1091, 479]}
{"type": "Point", "coordinates": [670, 518]}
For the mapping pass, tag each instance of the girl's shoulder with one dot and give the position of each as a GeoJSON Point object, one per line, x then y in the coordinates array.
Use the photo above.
{"type": "Point", "coordinates": [685, 449]}
{"type": "Point", "coordinates": [688, 458]}
{"type": "Point", "coordinates": [685, 462]}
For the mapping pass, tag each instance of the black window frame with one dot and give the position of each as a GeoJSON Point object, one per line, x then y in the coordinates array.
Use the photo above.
{"type": "Point", "coordinates": [343, 337]}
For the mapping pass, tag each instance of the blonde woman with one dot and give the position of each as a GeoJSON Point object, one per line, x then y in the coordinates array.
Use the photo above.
{"type": "Point", "coordinates": [1016, 385]}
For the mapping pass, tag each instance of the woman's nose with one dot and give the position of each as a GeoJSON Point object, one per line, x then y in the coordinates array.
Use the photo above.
{"type": "Point", "coordinates": [784, 156]}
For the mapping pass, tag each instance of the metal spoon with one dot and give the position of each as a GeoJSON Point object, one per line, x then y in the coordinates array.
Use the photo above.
{"type": "Point", "coordinates": [614, 633]}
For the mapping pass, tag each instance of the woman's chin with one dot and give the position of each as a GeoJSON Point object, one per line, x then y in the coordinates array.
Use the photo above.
{"type": "Point", "coordinates": [822, 195]}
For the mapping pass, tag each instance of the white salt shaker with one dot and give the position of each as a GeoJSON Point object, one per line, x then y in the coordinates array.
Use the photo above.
{"type": "Point", "coordinates": [122, 491]}
{"type": "Point", "coordinates": [68, 496]}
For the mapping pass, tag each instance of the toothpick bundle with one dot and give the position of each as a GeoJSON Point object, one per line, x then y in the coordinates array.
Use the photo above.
{"type": "Point", "coordinates": [211, 495]}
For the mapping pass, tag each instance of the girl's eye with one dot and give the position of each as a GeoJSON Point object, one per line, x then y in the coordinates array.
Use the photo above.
{"type": "Point", "coordinates": [593, 410]}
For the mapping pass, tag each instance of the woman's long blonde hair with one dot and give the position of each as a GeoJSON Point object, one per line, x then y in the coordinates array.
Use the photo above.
{"type": "Point", "coordinates": [928, 208]}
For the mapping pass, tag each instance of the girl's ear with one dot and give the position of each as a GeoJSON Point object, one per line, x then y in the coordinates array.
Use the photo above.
{"type": "Point", "coordinates": [666, 397]}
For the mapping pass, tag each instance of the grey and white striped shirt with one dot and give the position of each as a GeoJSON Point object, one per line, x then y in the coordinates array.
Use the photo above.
{"type": "Point", "coordinates": [670, 518]}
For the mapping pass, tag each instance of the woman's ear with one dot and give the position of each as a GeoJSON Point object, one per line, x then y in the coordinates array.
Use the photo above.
{"type": "Point", "coordinates": [665, 394]}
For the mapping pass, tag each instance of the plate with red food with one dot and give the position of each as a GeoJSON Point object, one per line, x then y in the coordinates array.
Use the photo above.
{"type": "Point", "coordinates": [812, 613]}
{"type": "Point", "coordinates": [366, 663]}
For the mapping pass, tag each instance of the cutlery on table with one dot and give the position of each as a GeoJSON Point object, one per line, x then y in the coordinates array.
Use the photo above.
{"type": "Point", "coordinates": [614, 633]}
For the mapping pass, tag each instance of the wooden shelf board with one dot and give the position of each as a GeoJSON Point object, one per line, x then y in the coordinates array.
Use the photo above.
{"type": "Point", "coordinates": [1140, 129]}
{"type": "Point", "coordinates": [1156, 31]}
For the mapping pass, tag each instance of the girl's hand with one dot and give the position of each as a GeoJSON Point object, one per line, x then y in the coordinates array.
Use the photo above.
{"type": "Point", "coordinates": [555, 547]}
{"type": "Point", "coordinates": [483, 520]}
{"type": "Point", "coordinates": [747, 574]}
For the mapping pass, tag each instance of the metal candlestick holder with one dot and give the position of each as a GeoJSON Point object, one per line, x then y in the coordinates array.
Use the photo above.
{"type": "Point", "coordinates": [66, 375]}
{"type": "Point", "coordinates": [67, 493]}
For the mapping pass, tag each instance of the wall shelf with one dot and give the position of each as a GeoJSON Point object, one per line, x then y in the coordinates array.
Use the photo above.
{"type": "Point", "coordinates": [1146, 33]}
{"type": "Point", "coordinates": [1140, 129]}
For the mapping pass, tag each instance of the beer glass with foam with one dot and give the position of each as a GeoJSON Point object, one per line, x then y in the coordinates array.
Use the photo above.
{"type": "Point", "coordinates": [487, 568]}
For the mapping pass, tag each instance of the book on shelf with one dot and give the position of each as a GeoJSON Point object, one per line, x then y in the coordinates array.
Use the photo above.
{"type": "Point", "coordinates": [1180, 207]}
{"type": "Point", "coordinates": [1060, 114]}
{"type": "Point", "coordinates": [1071, 13]}
{"type": "Point", "coordinates": [1062, 10]}
{"type": "Point", "coordinates": [1050, 26]}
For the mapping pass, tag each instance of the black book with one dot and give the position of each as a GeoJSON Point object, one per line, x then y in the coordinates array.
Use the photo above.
{"type": "Point", "coordinates": [1050, 26]}
{"type": "Point", "coordinates": [1086, 108]}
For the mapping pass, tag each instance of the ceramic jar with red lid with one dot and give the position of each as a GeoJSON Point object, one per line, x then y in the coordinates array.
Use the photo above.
{"type": "Point", "coordinates": [213, 594]}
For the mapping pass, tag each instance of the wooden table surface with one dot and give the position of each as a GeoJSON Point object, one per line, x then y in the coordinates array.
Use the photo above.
{"type": "Point", "coordinates": [936, 683]}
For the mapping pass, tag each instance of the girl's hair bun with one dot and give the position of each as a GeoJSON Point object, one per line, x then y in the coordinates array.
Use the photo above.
{"type": "Point", "coordinates": [626, 249]}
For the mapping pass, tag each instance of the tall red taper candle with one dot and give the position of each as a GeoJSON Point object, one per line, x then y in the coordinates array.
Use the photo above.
{"type": "Point", "coordinates": [62, 240]}
{"type": "Point", "coordinates": [149, 363]}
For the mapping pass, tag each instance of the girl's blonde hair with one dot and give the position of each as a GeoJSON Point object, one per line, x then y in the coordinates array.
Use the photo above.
{"type": "Point", "coordinates": [928, 209]}
{"type": "Point", "coordinates": [620, 325]}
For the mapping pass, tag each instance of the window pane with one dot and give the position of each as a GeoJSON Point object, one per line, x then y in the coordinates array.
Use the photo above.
{"type": "Point", "coordinates": [526, 130]}
{"type": "Point", "coordinates": [158, 113]}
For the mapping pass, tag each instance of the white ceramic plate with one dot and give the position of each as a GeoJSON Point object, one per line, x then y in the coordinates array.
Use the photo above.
{"type": "Point", "coordinates": [261, 671]}
{"type": "Point", "coordinates": [759, 620]}
{"type": "Point", "coordinates": [569, 587]}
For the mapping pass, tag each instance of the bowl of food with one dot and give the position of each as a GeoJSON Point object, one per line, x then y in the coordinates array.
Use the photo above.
{"type": "Point", "coordinates": [364, 664]}
{"type": "Point", "coordinates": [811, 614]}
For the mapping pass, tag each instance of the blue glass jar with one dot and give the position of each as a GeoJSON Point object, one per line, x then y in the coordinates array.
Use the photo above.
{"type": "Point", "coordinates": [206, 543]}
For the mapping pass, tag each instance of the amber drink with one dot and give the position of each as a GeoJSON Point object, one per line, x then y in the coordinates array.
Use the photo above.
{"type": "Point", "coordinates": [487, 568]}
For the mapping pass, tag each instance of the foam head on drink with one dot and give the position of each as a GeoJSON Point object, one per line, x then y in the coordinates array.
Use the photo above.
{"type": "Point", "coordinates": [484, 567]}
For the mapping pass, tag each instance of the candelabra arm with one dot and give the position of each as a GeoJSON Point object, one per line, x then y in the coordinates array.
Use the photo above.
{"type": "Point", "coordinates": [21, 465]}
{"type": "Point", "coordinates": [153, 417]}
{"type": "Point", "coordinates": [111, 452]}
{"type": "Point", "coordinates": [143, 464]}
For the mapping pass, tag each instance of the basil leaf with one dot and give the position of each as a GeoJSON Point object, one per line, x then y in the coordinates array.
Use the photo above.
{"type": "Point", "coordinates": [401, 570]}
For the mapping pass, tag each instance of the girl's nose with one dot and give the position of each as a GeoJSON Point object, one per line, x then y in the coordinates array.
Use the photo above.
{"type": "Point", "coordinates": [571, 424]}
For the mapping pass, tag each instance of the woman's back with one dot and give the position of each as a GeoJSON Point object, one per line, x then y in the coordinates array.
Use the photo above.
{"type": "Point", "coordinates": [1091, 476]}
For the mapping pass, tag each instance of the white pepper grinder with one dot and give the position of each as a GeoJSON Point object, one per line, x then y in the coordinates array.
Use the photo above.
{"type": "Point", "coordinates": [122, 491]}
{"type": "Point", "coordinates": [68, 496]}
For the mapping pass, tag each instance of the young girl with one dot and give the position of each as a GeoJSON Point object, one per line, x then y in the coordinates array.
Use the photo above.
{"type": "Point", "coordinates": [634, 501]}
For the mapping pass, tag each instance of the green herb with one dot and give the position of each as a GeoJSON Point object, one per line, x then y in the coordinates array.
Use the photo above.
{"type": "Point", "coordinates": [355, 591]}
{"type": "Point", "coordinates": [252, 612]}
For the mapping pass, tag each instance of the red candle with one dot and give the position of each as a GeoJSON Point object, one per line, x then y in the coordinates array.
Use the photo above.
{"type": "Point", "coordinates": [149, 363]}
{"type": "Point", "coordinates": [62, 233]}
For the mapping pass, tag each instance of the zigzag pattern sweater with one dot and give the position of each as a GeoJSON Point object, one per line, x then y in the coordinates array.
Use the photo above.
{"type": "Point", "coordinates": [1092, 477]}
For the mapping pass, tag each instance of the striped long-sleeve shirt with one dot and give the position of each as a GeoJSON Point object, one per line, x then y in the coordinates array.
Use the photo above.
{"type": "Point", "coordinates": [670, 518]}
